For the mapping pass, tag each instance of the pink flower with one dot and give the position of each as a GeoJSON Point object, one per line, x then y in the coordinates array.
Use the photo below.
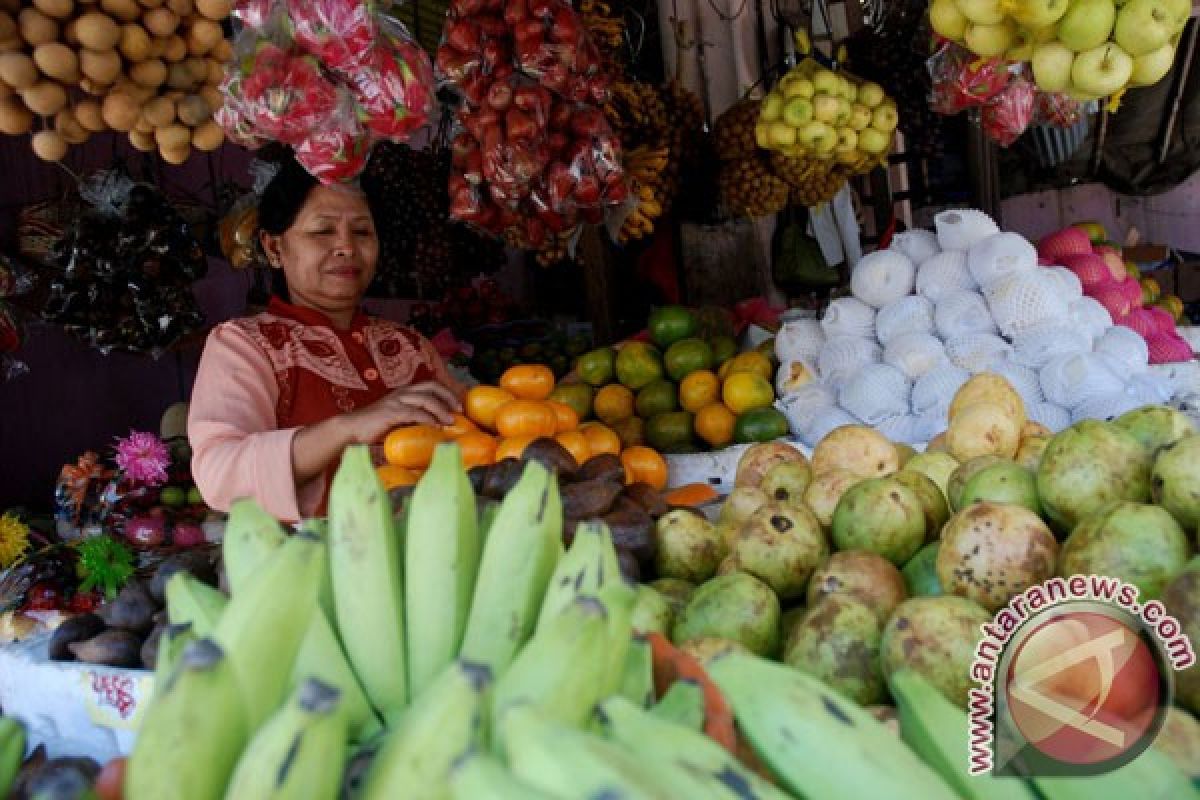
{"type": "Point", "coordinates": [143, 458]}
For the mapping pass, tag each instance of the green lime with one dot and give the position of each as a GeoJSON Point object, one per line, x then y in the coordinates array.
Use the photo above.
{"type": "Point", "coordinates": [687, 356]}
{"type": "Point", "coordinates": [723, 349]}
{"type": "Point", "coordinates": [760, 425]}
{"type": "Point", "coordinates": [597, 367]}
{"type": "Point", "coordinates": [670, 432]}
{"type": "Point", "coordinates": [669, 324]}
{"type": "Point", "coordinates": [638, 364]}
{"type": "Point", "coordinates": [576, 395]}
{"type": "Point", "coordinates": [657, 397]}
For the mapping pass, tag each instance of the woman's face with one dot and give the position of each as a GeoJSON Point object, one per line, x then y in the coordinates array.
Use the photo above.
{"type": "Point", "coordinates": [329, 253]}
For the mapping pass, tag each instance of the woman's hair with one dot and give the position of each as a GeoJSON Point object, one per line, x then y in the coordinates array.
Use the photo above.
{"type": "Point", "coordinates": [284, 196]}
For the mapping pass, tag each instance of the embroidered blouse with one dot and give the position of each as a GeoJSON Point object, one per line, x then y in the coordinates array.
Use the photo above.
{"type": "Point", "coordinates": [263, 378]}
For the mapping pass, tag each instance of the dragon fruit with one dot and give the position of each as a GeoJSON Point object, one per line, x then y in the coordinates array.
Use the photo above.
{"type": "Point", "coordinates": [1067, 242]}
{"type": "Point", "coordinates": [1168, 349]}
{"type": "Point", "coordinates": [1091, 269]}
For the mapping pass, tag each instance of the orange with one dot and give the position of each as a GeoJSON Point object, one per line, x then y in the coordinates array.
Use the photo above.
{"type": "Point", "coordinates": [714, 424]}
{"type": "Point", "coordinates": [460, 426]}
{"type": "Point", "coordinates": [613, 404]}
{"type": "Point", "coordinates": [575, 443]}
{"type": "Point", "coordinates": [412, 446]}
{"type": "Point", "coordinates": [526, 418]}
{"type": "Point", "coordinates": [482, 401]}
{"type": "Point", "coordinates": [601, 439]}
{"type": "Point", "coordinates": [528, 381]}
{"type": "Point", "coordinates": [698, 390]}
{"type": "Point", "coordinates": [746, 391]}
{"type": "Point", "coordinates": [478, 448]}
{"type": "Point", "coordinates": [632, 431]}
{"type": "Point", "coordinates": [394, 477]}
{"type": "Point", "coordinates": [643, 465]}
{"type": "Point", "coordinates": [513, 447]}
{"type": "Point", "coordinates": [567, 419]}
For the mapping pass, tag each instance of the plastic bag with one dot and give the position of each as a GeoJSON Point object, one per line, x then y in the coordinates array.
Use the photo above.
{"type": "Point", "coordinates": [15, 278]}
{"type": "Point", "coordinates": [1009, 113]}
{"type": "Point", "coordinates": [1058, 109]}
{"type": "Point", "coordinates": [277, 93]}
{"type": "Point", "coordinates": [551, 44]}
{"type": "Point", "coordinates": [259, 15]}
{"type": "Point", "coordinates": [339, 33]}
{"type": "Point", "coordinates": [393, 86]}
{"type": "Point", "coordinates": [963, 80]}
{"type": "Point", "coordinates": [475, 51]}
{"type": "Point", "coordinates": [336, 152]}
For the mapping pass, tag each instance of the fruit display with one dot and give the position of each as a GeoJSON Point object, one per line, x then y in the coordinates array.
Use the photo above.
{"type": "Point", "coordinates": [148, 70]}
{"type": "Point", "coordinates": [1087, 48]}
{"type": "Point", "coordinates": [1134, 302]}
{"type": "Point", "coordinates": [935, 308]}
{"type": "Point", "coordinates": [747, 184]}
{"type": "Point", "coordinates": [326, 78]}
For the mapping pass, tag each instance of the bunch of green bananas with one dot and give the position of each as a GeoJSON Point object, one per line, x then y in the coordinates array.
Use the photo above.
{"type": "Point", "coordinates": [476, 659]}
{"type": "Point", "coordinates": [12, 752]}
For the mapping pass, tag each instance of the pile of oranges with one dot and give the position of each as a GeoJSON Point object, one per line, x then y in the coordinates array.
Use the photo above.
{"type": "Point", "coordinates": [499, 422]}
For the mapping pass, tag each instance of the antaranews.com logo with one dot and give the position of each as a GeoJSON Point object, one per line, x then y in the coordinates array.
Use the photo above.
{"type": "Point", "coordinates": [1075, 677]}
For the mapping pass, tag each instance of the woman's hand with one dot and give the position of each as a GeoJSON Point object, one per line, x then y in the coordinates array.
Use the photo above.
{"type": "Point", "coordinates": [426, 403]}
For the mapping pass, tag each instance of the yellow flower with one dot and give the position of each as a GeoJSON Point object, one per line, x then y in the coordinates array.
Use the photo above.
{"type": "Point", "coordinates": [14, 539]}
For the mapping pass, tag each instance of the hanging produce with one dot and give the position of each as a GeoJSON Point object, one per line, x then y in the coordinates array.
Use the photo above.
{"type": "Point", "coordinates": [327, 78]}
{"type": "Point", "coordinates": [150, 71]}
{"type": "Point", "coordinates": [747, 184]}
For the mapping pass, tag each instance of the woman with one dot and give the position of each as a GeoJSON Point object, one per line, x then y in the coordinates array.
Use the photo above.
{"type": "Point", "coordinates": [280, 395]}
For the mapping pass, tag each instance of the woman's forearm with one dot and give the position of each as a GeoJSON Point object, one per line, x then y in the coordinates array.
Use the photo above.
{"type": "Point", "coordinates": [316, 447]}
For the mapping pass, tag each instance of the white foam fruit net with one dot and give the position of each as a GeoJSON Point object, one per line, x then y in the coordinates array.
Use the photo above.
{"type": "Point", "coordinates": [928, 425]}
{"type": "Point", "coordinates": [1024, 379]}
{"type": "Point", "coordinates": [1068, 283]}
{"type": "Point", "coordinates": [902, 428]}
{"type": "Point", "coordinates": [977, 351]}
{"type": "Point", "coordinates": [1107, 407]}
{"type": "Point", "coordinates": [959, 229]}
{"type": "Point", "coordinates": [1038, 346]}
{"type": "Point", "coordinates": [882, 277]}
{"type": "Point", "coordinates": [875, 393]}
{"type": "Point", "coordinates": [1025, 300]}
{"type": "Point", "coordinates": [1089, 316]}
{"type": "Point", "coordinates": [907, 315]}
{"type": "Point", "coordinates": [1000, 256]}
{"type": "Point", "coordinates": [1126, 346]}
{"type": "Point", "coordinates": [915, 353]}
{"type": "Point", "coordinates": [918, 244]}
{"type": "Point", "coordinates": [960, 313]}
{"type": "Point", "coordinates": [1070, 380]}
{"type": "Point", "coordinates": [1053, 416]}
{"type": "Point", "coordinates": [828, 420]}
{"type": "Point", "coordinates": [934, 390]}
{"type": "Point", "coordinates": [802, 406]}
{"type": "Point", "coordinates": [1151, 388]}
{"type": "Point", "coordinates": [944, 274]}
{"type": "Point", "coordinates": [842, 356]}
{"type": "Point", "coordinates": [799, 340]}
{"type": "Point", "coordinates": [848, 316]}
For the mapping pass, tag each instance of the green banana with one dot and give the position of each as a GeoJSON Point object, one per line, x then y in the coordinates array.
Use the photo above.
{"type": "Point", "coordinates": [12, 752]}
{"type": "Point", "coordinates": [266, 621]}
{"type": "Point", "coordinates": [637, 674]}
{"type": "Point", "coordinates": [799, 727]}
{"type": "Point", "coordinates": [487, 518]}
{"type": "Point", "coordinates": [368, 587]}
{"type": "Point", "coordinates": [172, 643]}
{"type": "Point", "coordinates": [251, 535]}
{"type": "Point", "coordinates": [589, 565]}
{"type": "Point", "coordinates": [564, 761]}
{"type": "Point", "coordinates": [656, 742]}
{"type": "Point", "coordinates": [938, 731]}
{"type": "Point", "coordinates": [443, 722]}
{"type": "Point", "coordinates": [619, 599]}
{"type": "Point", "coordinates": [300, 752]}
{"type": "Point", "coordinates": [518, 560]}
{"type": "Point", "coordinates": [193, 732]}
{"type": "Point", "coordinates": [320, 529]}
{"type": "Point", "coordinates": [441, 560]}
{"type": "Point", "coordinates": [321, 657]}
{"type": "Point", "coordinates": [193, 602]}
{"type": "Point", "coordinates": [478, 776]}
{"type": "Point", "coordinates": [561, 670]}
{"type": "Point", "coordinates": [682, 704]}
{"type": "Point", "coordinates": [1152, 776]}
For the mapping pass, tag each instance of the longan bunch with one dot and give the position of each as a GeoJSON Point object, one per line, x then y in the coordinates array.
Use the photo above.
{"type": "Point", "coordinates": [733, 133]}
{"type": "Point", "coordinates": [749, 189]}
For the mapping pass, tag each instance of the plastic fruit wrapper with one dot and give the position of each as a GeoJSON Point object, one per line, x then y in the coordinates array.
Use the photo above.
{"type": "Point", "coordinates": [15, 277]}
{"type": "Point", "coordinates": [476, 49]}
{"type": "Point", "coordinates": [963, 80]}
{"type": "Point", "coordinates": [337, 151]}
{"type": "Point", "coordinates": [259, 15]}
{"type": "Point", "coordinates": [1058, 109]}
{"type": "Point", "coordinates": [504, 146]}
{"type": "Point", "coordinates": [552, 45]}
{"type": "Point", "coordinates": [586, 173]}
{"type": "Point", "coordinates": [337, 32]}
{"type": "Point", "coordinates": [393, 85]}
{"type": "Point", "coordinates": [1009, 113]}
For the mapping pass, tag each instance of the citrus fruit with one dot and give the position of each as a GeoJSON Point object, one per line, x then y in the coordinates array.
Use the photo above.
{"type": "Point", "coordinates": [528, 381]}
{"type": "Point", "coordinates": [597, 367]}
{"type": "Point", "coordinates": [723, 348]}
{"type": "Point", "coordinates": [482, 402]}
{"type": "Point", "coordinates": [698, 390]}
{"type": "Point", "coordinates": [393, 477]}
{"type": "Point", "coordinates": [631, 431]}
{"type": "Point", "coordinates": [513, 447]}
{"type": "Point", "coordinates": [714, 424]}
{"type": "Point", "coordinates": [687, 356]}
{"type": "Point", "coordinates": [638, 364]}
{"type": "Point", "coordinates": [412, 446]}
{"type": "Point", "coordinates": [613, 403]}
{"type": "Point", "coordinates": [643, 465]}
{"type": "Point", "coordinates": [751, 361]}
{"type": "Point", "coordinates": [460, 426]}
{"type": "Point", "coordinates": [658, 397]}
{"type": "Point", "coordinates": [575, 443]}
{"type": "Point", "coordinates": [760, 425]}
{"type": "Point", "coordinates": [601, 438]}
{"type": "Point", "coordinates": [670, 432]}
{"type": "Point", "coordinates": [744, 391]}
{"type": "Point", "coordinates": [576, 395]}
{"type": "Point", "coordinates": [567, 419]}
{"type": "Point", "coordinates": [526, 418]}
{"type": "Point", "coordinates": [669, 324]}
{"type": "Point", "coordinates": [478, 448]}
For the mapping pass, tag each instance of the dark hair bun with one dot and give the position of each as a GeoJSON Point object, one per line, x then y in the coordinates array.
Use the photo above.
{"type": "Point", "coordinates": [285, 195]}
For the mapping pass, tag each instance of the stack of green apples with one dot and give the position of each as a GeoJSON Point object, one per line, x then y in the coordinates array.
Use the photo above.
{"type": "Point", "coordinates": [1086, 48]}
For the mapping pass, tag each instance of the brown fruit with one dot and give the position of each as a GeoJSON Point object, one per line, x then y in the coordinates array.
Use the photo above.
{"type": "Point", "coordinates": [143, 142]}
{"type": "Point", "coordinates": [150, 74]}
{"type": "Point", "coordinates": [223, 51]}
{"type": "Point", "coordinates": [49, 146]}
{"type": "Point", "coordinates": [214, 9]}
{"type": "Point", "coordinates": [174, 49]}
{"type": "Point", "coordinates": [124, 10]}
{"type": "Point", "coordinates": [97, 31]}
{"type": "Point", "coordinates": [203, 36]}
{"type": "Point", "coordinates": [103, 67]}
{"type": "Point", "coordinates": [589, 499]}
{"type": "Point", "coordinates": [159, 112]}
{"type": "Point", "coordinates": [173, 137]}
{"type": "Point", "coordinates": [120, 111]}
{"type": "Point", "coordinates": [15, 118]}
{"type": "Point", "coordinates": [68, 127]}
{"type": "Point", "coordinates": [89, 116]}
{"type": "Point", "coordinates": [208, 137]}
{"type": "Point", "coordinates": [57, 61]}
{"type": "Point", "coordinates": [161, 21]}
{"type": "Point", "coordinates": [18, 70]}
{"type": "Point", "coordinates": [45, 98]}
{"type": "Point", "coordinates": [58, 9]}
{"type": "Point", "coordinates": [182, 8]}
{"type": "Point", "coordinates": [134, 43]}
{"type": "Point", "coordinates": [175, 155]}
{"type": "Point", "coordinates": [37, 28]}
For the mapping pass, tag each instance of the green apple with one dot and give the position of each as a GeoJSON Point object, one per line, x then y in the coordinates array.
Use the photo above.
{"type": "Point", "coordinates": [1034, 14]}
{"type": "Point", "coordinates": [1152, 67]}
{"type": "Point", "coordinates": [1052, 66]}
{"type": "Point", "coordinates": [825, 107]}
{"type": "Point", "coordinates": [780, 134]}
{"type": "Point", "coordinates": [772, 107]}
{"type": "Point", "coordinates": [818, 137]}
{"type": "Point", "coordinates": [981, 12]}
{"type": "Point", "coordinates": [825, 82]}
{"type": "Point", "coordinates": [947, 20]}
{"type": "Point", "coordinates": [1022, 49]}
{"type": "Point", "coordinates": [849, 91]}
{"type": "Point", "coordinates": [874, 141]}
{"type": "Point", "coordinates": [1180, 11]}
{"type": "Point", "coordinates": [842, 117]}
{"type": "Point", "coordinates": [1087, 24]}
{"type": "Point", "coordinates": [797, 87]}
{"type": "Point", "coordinates": [1143, 26]}
{"type": "Point", "coordinates": [1102, 70]}
{"type": "Point", "coordinates": [1046, 34]}
{"type": "Point", "coordinates": [871, 94]}
{"type": "Point", "coordinates": [851, 156]}
{"type": "Point", "coordinates": [860, 116]}
{"type": "Point", "coordinates": [990, 40]}
{"type": "Point", "coordinates": [798, 111]}
{"type": "Point", "coordinates": [762, 134]}
{"type": "Point", "coordinates": [885, 119]}
{"type": "Point", "coordinates": [847, 139]}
